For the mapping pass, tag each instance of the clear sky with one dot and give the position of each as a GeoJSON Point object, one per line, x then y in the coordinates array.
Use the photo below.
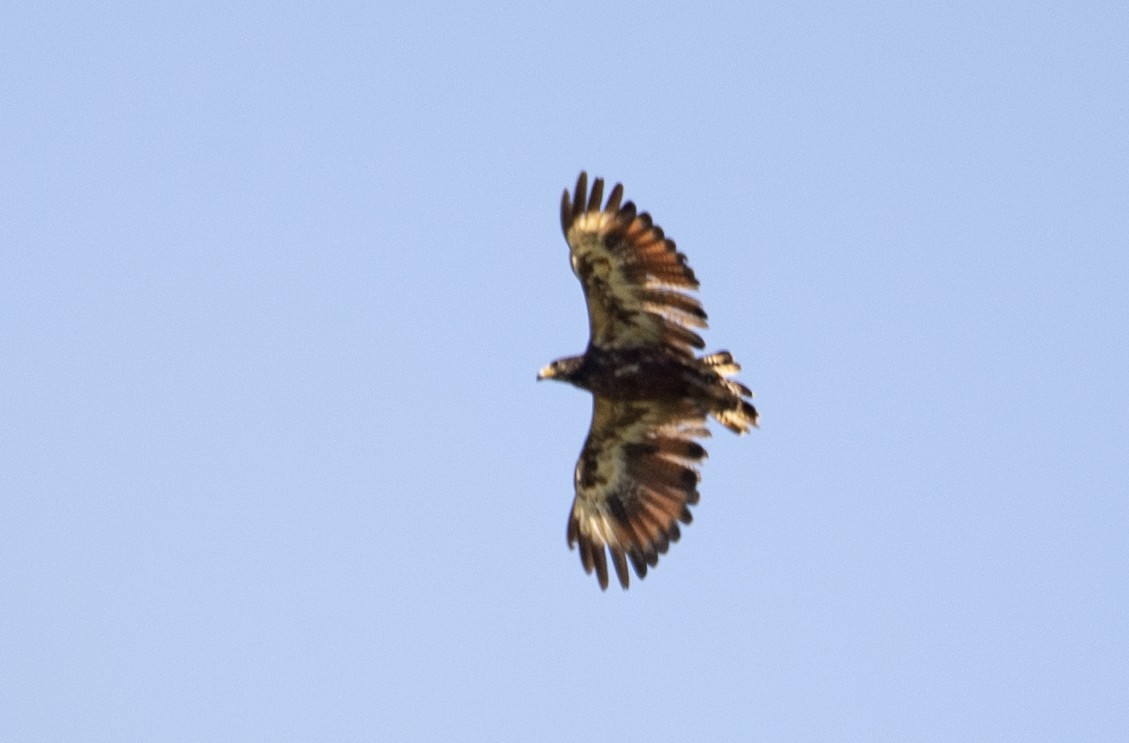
{"type": "Point", "coordinates": [276, 281]}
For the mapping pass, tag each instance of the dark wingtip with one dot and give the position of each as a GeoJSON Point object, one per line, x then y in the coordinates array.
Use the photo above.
{"type": "Point", "coordinates": [615, 198]}
{"type": "Point", "coordinates": [600, 559]}
{"type": "Point", "coordinates": [572, 205]}
{"type": "Point", "coordinates": [638, 562]}
{"type": "Point", "coordinates": [580, 196]}
{"type": "Point", "coordinates": [619, 559]}
{"type": "Point", "coordinates": [596, 196]}
{"type": "Point", "coordinates": [566, 211]}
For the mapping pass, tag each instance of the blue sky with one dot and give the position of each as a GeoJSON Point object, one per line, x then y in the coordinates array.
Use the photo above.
{"type": "Point", "coordinates": [277, 281]}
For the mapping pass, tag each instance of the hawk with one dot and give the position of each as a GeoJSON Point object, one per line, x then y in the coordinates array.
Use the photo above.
{"type": "Point", "coordinates": [637, 475]}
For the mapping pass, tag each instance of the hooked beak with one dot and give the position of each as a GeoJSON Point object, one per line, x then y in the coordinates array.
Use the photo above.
{"type": "Point", "coordinates": [546, 373]}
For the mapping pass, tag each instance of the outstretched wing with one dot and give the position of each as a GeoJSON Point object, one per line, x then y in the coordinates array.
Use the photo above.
{"type": "Point", "coordinates": [635, 280]}
{"type": "Point", "coordinates": [635, 481]}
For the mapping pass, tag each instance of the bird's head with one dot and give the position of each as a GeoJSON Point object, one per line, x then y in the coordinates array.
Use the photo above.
{"type": "Point", "coordinates": [564, 370]}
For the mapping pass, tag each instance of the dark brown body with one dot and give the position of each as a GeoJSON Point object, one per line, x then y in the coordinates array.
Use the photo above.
{"type": "Point", "coordinates": [654, 375]}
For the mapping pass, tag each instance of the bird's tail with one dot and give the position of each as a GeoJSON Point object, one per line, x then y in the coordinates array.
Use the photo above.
{"type": "Point", "coordinates": [732, 407]}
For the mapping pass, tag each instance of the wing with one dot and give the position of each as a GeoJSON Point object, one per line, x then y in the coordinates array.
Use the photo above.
{"type": "Point", "coordinates": [635, 481]}
{"type": "Point", "coordinates": [635, 280]}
